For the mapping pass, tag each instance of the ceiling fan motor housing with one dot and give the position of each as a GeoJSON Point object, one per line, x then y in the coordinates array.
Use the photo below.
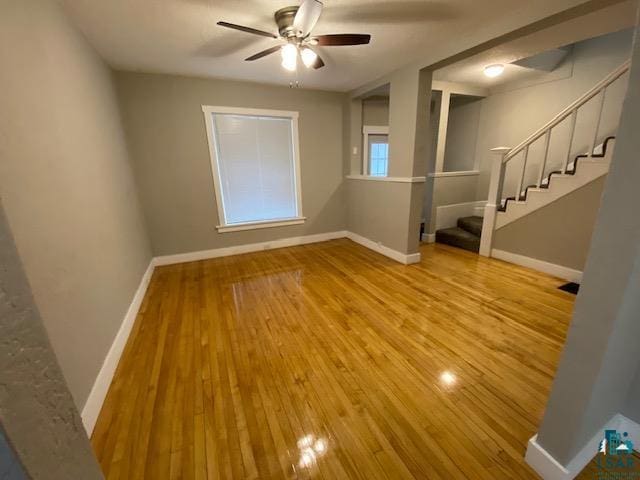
{"type": "Point", "coordinates": [284, 19]}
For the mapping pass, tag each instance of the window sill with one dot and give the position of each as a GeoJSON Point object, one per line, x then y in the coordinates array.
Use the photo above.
{"type": "Point", "coordinates": [466, 173]}
{"type": "Point", "coordinates": [387, 179]}
{"type": "Point", "coordinates": [237, 227]}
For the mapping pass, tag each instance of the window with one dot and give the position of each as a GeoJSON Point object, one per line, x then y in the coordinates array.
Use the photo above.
{"type": "Point", "coordinates": [376, 151]}
{"type": "Point", "coordinates": [256, 168]}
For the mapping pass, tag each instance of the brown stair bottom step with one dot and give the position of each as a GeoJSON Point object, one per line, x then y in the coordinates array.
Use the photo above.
{"type": "Point", "coordinates": [457, 237]}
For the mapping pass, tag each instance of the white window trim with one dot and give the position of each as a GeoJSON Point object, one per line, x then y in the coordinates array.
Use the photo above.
{"type": "Point", "coordinates": [224, 227]}
{"type": "Point", "coordinates": [366, 131]}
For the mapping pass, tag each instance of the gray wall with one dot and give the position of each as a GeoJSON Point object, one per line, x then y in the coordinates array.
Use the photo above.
{"type": "Point", "coordinates": [602, 353]}
{"type": "Point", "coordinates": [389, 212]}
{"type": "Point", "coordinates": [375, 111]}
{"type": "Point", "coordinates": [632, 406]}
{"type": "Point", "coordinates": [67, 186]}
{"type": "Point", "coordinates": [379, 211]}
{"type": "Point", "coordinates": [37, 412]}
{"type": "Point", "coordinates": [168, 145]}
{"type": "Point", "coordinates": [509, 117]}
{"type": "Point", "coordinates": [558, 233]}
{"type": "Point", "coordinates": [462, 133]}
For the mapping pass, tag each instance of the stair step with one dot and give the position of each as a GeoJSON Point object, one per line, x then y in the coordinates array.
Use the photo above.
{"type": "Point", "coordinates": [471, 224]}
{"type": "Point", "coordinates": [458, 237]}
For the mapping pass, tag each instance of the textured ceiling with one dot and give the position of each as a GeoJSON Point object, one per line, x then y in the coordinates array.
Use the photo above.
{"type": "Point", "coordinates": [181, 36]}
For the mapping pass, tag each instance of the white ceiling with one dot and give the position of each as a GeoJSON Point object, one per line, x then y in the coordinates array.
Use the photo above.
{"type": "Point", "coordinates": [181, 36]}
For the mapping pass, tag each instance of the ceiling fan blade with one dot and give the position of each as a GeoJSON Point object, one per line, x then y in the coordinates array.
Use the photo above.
{"type": "Point", "coordinates": [342, 39]}
{"type": "Point", "coordinates": [247, 29]}
{"type": "Point", "coordinates": [318, 63]}
{"type": "Point", "coordinates": [263, 53]}
{"type": "Point", "coordinates": [307, 16]}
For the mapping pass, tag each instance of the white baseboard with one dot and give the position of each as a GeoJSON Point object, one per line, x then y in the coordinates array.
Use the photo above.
{"type": "Point", "coordinates": [100, 387]}
{"type": "Point", "coordinates": [559, 271]}
{"type": "Point", "coordinates": [428, 237]}
{"type": "Point", "coordinates": [550, 469]}
{"type": "Point", "coordinates": [447, 215]}
{"type": "Point", "coordinates": [543, 463]}
{"type": "Point", "coordinates": [252, 247]}
{"type": "Point", "coordinates": [386, 251]}
{"type": "Point", "coordinates": [102, 383]}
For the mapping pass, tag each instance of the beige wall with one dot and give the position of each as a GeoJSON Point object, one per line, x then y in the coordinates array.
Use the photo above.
{"type": "Point", "coordinates": [381, 212]}
{"type": "Point", "coordinates": [67, 186]}
{"type": "Point", "coordinates": [37, 412]}
{"type": "Point", "coordinates": [451, 190]}
{"type": "Point", "coordinates": [389, 212]}
{"type": "Point", "coordinates": [559, 233]}
{"type": "Point", "coordinates": [462, 133]}
{"type": "Point", "coordinates": [168, 144]}
{"type": "Point", "coordinates": [375, 111]}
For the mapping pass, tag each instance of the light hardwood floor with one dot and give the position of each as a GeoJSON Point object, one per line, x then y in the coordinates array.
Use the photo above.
{"type": "Point", "coordinates": [331, 361]}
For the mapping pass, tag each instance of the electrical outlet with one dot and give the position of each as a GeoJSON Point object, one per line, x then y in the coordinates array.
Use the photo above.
{"type": "Point", "coordinates": [355, 150]}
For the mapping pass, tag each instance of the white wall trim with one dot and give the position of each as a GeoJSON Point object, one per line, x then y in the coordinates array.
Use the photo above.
{"type": "Point", "coordinates": [543, 463]}
{"type": "Point", "coordinates": [238, 227]}
{"type": "Point", "coordinates": [388, 179]}
{"type": "Point", "coordinates": [94, 402]}
{"type": "Point", "coordinates": [550, 268]}
{"type": "Point", "coordinates": [550, 469]}
{"type": "Point", "coordinates": [428, 237]}
{"type": "Point", "coordinates": [93, 405]}
{"type": "Point", "coordinates": [248, 248]}
{"type": "Point", "coordinates": [461, 173]}
{"type": "Point", "coordinates": [386, 251]}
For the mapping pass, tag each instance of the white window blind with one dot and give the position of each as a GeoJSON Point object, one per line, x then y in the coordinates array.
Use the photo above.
{"type": "Point", "coordinates": [256, 163]}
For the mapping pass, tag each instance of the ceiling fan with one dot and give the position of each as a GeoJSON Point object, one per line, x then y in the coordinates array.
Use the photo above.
{"type": "Point", "coordinates": [294, 27]}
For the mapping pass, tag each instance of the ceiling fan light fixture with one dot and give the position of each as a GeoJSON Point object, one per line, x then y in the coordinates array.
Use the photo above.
{"type": "Point", "coordinates": [493, 71]}
{"type": "Point", "coordinates": [309, 57]}
{"type": "Point", "coordinates": [289, 56]}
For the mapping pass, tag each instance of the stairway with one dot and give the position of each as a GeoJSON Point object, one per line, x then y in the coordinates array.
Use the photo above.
{"type": "Point", "coordinates": [466, 235]}
{"type": "Point", "coordinates": [583, 170]}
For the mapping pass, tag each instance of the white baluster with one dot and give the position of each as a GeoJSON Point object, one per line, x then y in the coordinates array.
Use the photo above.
{"type": "Point", "coordinates": [574, 117]}
{"type": "Point", "coordinates": [598, 118]}
{"type": "Point", "coordinates": [524, 168]}
{"type": "Point", "coordinates": [547, 139]}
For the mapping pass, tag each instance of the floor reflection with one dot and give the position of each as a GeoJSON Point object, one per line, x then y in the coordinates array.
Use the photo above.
{"type": "Point", "coordinates": [311, 448]}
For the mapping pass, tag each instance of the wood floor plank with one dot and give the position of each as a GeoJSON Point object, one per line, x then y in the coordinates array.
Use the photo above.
{"type": "Point", "coordinates": [331, 361]}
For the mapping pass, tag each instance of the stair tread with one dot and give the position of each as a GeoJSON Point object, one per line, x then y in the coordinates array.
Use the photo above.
{"type": "Point", "coordinates": [471, 224]}
{"type": "Point", "coordinates": [457, 237]}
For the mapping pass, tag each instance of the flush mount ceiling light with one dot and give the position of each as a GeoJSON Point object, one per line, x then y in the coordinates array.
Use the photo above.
{"type": "Point", "coordinates": [495, 70]}
{"type": "Point", "coordinates": [295, 24]}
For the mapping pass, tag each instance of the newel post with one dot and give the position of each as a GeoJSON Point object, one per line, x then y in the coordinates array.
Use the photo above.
{"type": "Point", "coordinates": [493, 202]}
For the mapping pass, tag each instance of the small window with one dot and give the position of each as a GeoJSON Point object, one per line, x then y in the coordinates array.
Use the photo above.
{"type": "Point", "coordinates": [256, 168]}
{"type": "Point", "coordinates": [376, 151]}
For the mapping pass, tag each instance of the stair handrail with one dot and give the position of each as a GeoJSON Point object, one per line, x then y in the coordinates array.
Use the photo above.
{"type": "Point", "coordinates": [595, 90]}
